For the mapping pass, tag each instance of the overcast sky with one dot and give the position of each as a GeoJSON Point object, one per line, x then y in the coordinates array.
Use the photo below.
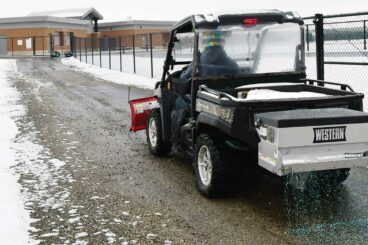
{"type": "Point", "coordinates": [175, 10]}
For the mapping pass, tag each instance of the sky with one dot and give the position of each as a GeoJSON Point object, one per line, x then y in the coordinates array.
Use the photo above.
{"type": "Point", "coordinates": [114, 10]}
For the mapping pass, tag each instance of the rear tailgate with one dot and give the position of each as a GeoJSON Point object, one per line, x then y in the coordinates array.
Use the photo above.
{"type": "Point", "coordinates": [312, 140]}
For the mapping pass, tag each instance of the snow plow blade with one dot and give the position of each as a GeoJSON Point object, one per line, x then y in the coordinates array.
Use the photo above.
{"type": "Point", "coordinates": [312, 140]}
{"type": "Point", "coordinates": [140, 108]}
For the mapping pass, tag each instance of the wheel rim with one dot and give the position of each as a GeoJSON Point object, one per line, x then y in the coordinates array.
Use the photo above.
{"type": "Point", "coordinates": [152, 132]}
{"type": "Point", "coordinates": [205, 165]}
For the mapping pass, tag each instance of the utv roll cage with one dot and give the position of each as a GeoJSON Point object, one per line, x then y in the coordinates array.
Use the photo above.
{"type": "Point", "coordinates": [195, 22]}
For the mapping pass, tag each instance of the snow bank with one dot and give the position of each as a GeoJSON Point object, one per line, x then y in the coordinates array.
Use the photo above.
{"type": "Point", "coordinates": [14, 219]}
{"type": "Point", "coordinates": [111, 76]}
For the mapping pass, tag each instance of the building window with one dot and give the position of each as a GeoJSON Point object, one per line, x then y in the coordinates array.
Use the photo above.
{"type": "Point", "coordinates": [67, 38]}
{"type": "Point", "coordinates": [59, 39]}
{"type": "Point", "coordinates": [29, 43]}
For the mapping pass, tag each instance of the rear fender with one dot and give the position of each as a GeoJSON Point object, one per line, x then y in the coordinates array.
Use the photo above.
{"type": "Point", "coordinates": [206, 119]}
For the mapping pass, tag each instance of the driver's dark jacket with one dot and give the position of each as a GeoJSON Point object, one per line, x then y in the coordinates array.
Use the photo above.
{"type": "Point", "coordinates": [213, 62]}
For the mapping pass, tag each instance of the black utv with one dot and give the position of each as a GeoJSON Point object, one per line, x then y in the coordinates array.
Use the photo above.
{"type": "Point", "coordinates": [234, 86]}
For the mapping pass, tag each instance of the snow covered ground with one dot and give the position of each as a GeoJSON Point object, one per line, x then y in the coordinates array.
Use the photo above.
{"type": "Point", "coordinates": [30, 176]}
{"type": "Point", "coordinates": [14, 218]}
{"type": "Point", "coordinates": [111, 75]}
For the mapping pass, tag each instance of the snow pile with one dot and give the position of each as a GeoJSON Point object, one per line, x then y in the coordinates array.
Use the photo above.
{"type": "Point", "coordinates": [267, 94]}
{"type": "Point", "coordinates": [111, 76]}
{"type": "Point", "coordinates": [14, 219]}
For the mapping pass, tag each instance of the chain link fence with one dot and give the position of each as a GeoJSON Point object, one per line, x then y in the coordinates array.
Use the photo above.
{"type": "Point", "coordinates": [345, 50]}
{"type": "Point", "coordinates": [143, 55]}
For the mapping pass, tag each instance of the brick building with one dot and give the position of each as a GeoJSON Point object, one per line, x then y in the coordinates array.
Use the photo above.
{"type": "Point", "coordinates": [141, 29]}
{"type": "Point", "coordinates": [40, 32]}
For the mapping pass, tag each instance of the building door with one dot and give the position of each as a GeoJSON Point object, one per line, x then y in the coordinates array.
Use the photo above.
{"type": "Point", "coordinates": [3, 45]}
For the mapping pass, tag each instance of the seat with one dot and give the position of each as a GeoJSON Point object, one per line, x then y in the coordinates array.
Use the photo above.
{"type": "Point", "coordinates": [181, 88]}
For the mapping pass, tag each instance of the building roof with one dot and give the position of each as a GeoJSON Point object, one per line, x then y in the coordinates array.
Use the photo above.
{"type": "Point", "coordinates": [140, 24]}
{"type": "Point", "coordinates": [82, 13]}
{"type": "Point", "coordinates": [42, 21]}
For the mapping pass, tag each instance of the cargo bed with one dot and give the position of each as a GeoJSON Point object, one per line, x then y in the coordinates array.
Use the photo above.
{"type": "Point", "coordinates": [295, 96]}
{"type": "Point", "coordinates": [307, 90]}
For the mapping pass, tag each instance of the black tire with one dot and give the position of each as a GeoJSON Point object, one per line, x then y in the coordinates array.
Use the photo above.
{"type": "Point", "coordinates": [217, 183]}
{"type": "Point", "coordinates": [333, 177]}
{"type": "Point", "coordinates": [157, 147]}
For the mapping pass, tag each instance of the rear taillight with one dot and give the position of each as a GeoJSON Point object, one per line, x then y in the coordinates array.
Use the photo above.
{"type": "Point", "coordinates": [250, 22]}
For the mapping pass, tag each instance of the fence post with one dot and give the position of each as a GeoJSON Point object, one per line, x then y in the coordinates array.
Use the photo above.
{"type": "Point", "coordinates": [73, 47]}
{"type": "Point", "coordinates": [71, 38]}
{"type": "Point", "coordinates": [121, 61]}
{"type": "Point", "coordinates": [100, 41]}
{"type": "Point", "coordinates": [134, 68]}
{"type": "Point", "coordinates": [109, 53]}
{"type": "Point", "coordinates": [51, 42]}
{"type": "Point", "coordinates": [92, 44]}
{"type": "Point", "coordinates": [43, 45]}
{"type": "Point", "coordinates": [12, 40]}
{"type": "Point", "coordinates": [62, 41]}
{"type": "Point", "coordinates": [320, 55]}
{"type": "Point", "coordinates": [34, 45]}
{"type": "Point", "coordinates": [80, 49]}
{"type": "Point", "coordinates": [307, 37]}
{"type": "Point", "coordinates": [85, 48]}
{"type": "Point", "coordinates": [365, 34]}
{"type": "Point", "coordinates": [151, 49]}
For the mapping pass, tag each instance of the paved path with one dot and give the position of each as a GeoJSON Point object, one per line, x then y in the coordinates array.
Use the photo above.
{"type": "Point", "coordinates": [90, 180]}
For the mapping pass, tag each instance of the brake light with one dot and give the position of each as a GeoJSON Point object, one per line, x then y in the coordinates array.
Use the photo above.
{"type": "Point", "coordinates": [250, 22]}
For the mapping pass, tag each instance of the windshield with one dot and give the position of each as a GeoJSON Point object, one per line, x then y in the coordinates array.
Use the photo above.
{"type": "Point", "coordinates": [262, 48]}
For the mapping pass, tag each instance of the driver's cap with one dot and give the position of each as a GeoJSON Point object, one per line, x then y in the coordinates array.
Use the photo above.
{"type": "Point", "coordinates": [213, 39]}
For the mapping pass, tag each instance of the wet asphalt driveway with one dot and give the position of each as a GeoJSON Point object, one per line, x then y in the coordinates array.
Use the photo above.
{"type": "Point", "coordinates": [91, 180]}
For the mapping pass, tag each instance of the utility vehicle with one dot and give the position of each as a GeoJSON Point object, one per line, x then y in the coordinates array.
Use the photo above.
{"type": "Point", "coordinates": [267, 109]}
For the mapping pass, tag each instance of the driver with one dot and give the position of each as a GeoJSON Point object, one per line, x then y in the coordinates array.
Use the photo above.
{"type": "Point", "coordinates": [213, 61]}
